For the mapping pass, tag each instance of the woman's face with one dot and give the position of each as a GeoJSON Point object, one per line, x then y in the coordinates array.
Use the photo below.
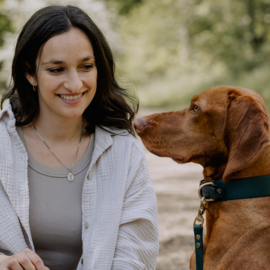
{"type": "Point", "coordinates": [66, 75]}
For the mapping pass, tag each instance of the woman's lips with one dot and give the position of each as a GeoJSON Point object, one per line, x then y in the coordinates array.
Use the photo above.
{"type": "Point", "coordinates": [71, 101]}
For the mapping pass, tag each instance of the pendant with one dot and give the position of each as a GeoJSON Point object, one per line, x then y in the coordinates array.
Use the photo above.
{"type": "Point", "coordinates": [70, 177]}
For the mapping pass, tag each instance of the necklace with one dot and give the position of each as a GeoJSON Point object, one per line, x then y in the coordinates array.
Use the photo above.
{"type": "Point", "coordinates": [70, 175]}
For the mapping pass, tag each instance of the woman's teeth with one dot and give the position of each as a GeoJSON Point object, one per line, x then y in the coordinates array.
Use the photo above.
{"type": "Point", "coordinates": [71, 97]}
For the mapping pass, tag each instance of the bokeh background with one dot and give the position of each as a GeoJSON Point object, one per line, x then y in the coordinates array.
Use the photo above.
{"type": "Point", "coordinates": [168, 51]}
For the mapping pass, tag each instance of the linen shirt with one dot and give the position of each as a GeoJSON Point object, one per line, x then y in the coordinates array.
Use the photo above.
{"type": "Point", "coordinates": [119, 207]}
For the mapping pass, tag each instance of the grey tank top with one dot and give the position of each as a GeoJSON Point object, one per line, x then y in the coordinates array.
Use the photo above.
{"type": "Point", "coordinates": [55, 212]}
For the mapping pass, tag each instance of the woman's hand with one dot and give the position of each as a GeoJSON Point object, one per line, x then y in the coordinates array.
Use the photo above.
{"type": "Point", "coordinates": [23, 260]}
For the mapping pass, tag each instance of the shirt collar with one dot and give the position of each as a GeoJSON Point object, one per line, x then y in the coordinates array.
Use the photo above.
{"type": "Point", "coordinates": [103, 134]}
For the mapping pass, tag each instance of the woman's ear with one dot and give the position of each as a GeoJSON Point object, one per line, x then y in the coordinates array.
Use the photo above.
{"type": "Point", "coordinates": [29, 76]}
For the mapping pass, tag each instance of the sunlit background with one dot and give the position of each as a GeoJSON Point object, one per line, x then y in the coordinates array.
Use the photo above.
{"type": "Point", "coordinates": [168, 51]}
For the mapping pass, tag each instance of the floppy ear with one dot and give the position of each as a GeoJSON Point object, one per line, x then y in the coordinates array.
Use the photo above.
{"type": "Point", "coordinates": [246, 131]}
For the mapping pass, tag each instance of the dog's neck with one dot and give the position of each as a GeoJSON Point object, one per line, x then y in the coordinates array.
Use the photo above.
{"type": "Point", "coordinates": [228, 221]}
{"type": "Point", "coordinates": [261, 166]}
{"type": "Point", "coordinates": [246, 214]}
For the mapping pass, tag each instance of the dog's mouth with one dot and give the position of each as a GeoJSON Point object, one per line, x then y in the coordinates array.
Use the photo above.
{"type": "Point", "coordinates": [178, 159]}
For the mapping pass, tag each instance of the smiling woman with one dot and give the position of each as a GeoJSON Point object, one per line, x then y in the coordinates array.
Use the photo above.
{"type": "Point", "coordinates": [66, 75]}
{"type": "Point", "coordinates": [73, 178]}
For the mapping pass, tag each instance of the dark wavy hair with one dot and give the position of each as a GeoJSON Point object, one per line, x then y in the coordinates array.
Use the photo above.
{"type": "Point", "coordinates": [111, 106]}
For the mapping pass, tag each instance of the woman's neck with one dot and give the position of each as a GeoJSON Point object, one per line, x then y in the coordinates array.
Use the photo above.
{"type": "Point", "coordinates": [55, 129]}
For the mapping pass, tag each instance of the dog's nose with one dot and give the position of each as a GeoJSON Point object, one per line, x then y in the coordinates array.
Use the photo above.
{"type": "Point", "coordinates": [139, 123]}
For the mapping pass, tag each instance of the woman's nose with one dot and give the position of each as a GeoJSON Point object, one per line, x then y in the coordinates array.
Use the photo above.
{"type": "Point", "coordinates": [73, 82]}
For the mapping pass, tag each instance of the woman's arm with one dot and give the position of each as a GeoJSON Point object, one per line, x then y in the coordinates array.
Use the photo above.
{"type": "Point", "coordinates": [137, 244]}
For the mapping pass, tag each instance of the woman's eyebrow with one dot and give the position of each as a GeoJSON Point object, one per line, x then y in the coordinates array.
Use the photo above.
{"type": "Point", "coordinates": [58, 62]}
{"type": "Point", "coordinates": [87, 58]}
{"type": "Point", "coordinates": [52, 61]}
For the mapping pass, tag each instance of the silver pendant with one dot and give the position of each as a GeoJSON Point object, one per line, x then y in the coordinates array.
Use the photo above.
{"type": "Point", "coordinates": [70, 177]}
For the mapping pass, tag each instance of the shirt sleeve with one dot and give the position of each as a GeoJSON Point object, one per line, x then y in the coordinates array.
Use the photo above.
{"type": "Point", "coordinates": [137, 244]}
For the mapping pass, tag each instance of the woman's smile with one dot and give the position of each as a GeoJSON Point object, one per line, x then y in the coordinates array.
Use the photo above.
{"type": "Point", "coordinates": [73, 144]}
{"type": "Point", "coordinates": [71, 98]}
{"type": "Point", "coordinates": [66, 76]}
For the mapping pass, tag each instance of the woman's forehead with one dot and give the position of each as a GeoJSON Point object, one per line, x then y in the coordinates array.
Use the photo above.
{"type": "Point", "coordinates": [70, 45]}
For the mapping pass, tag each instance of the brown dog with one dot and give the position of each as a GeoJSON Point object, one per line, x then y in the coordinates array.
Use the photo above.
{"type": "Point", "coordinates": [226, 130]}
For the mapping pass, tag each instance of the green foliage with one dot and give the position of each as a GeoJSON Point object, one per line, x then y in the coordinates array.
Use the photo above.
{"type": "Point", "coordinates": [175, 94]}
{"type": "Point", "coordinates": [5, 26]}
{"type": "Point", "coordinates": [124, 6]}
{"type": "Point", "coordinates": [173, 49]}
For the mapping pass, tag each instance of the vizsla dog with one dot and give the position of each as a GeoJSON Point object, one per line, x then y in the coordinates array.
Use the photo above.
{"type": "Point", "coordinates": [226, 130]}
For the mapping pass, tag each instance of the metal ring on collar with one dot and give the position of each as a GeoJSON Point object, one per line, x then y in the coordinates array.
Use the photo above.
{"type": "Point", "coordinates": [199, 191]}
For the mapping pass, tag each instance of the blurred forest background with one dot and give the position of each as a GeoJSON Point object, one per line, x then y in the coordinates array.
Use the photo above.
{"type": "Point", "coordinates": [168, 50]}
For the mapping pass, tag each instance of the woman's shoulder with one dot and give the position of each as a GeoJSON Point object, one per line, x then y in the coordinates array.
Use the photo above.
{"type": "Point", "coordinates": [6, 144]}
{"type": "Point", "coordinates": [7, 115]}
{"type": "Point", "coordinates": [132, 147]}
{"type": "Point", "coordinates": [121, 138]}
{"type": "Point", "coordinates": [7, 129]}
{"type": "Point", "coordinates": [4, 119]}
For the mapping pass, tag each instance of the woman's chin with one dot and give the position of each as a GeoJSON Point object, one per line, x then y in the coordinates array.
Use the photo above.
{"type": "Point", "coordinates": [71, 114]}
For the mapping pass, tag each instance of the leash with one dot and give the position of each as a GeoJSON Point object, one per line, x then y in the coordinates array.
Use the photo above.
{"type": "Point", "coordinates": [235, 189]}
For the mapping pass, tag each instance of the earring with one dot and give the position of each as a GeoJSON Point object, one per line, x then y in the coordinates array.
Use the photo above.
{"type": "Point", "coordinates": [34, 87]}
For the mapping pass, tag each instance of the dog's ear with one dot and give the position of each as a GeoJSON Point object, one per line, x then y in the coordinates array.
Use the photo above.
{"type": "Point", "coordinates": [246, 131]}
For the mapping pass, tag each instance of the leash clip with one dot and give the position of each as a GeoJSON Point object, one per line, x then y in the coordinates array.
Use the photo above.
{"type": "Point", "coordinates": [198, 228]}
{"type": "Point", "coordinates": [199, 218]}
{"type": "Point", "coordinates": [201, 211]}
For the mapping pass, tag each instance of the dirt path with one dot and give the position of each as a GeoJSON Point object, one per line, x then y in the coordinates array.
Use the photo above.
{"type": "Point", "coordinates": [176, 188]}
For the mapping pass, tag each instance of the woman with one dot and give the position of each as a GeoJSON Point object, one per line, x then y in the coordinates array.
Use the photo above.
{"type": "Point", "coordinates": [75, 192]}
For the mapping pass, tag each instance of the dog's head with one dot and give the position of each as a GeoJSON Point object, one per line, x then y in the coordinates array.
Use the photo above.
{"type": "Point", "coordinates": [224, 129]}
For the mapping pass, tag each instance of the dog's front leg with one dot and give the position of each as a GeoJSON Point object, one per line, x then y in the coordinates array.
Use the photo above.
{"type": "Point", "coordinates": [192, 262]}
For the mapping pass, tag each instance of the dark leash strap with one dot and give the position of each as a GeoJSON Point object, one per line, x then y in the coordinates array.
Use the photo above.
{"type": "Point", "coordinates": [198, 233]}
{"type": "Point", "coordinates": [235, 189]}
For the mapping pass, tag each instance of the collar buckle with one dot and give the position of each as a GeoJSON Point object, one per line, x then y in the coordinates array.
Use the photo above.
{"type": "Point", "coordinates": [203, 184]}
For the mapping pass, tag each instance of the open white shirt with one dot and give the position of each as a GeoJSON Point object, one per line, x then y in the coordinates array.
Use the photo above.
{"type": "Point", "coordinates": [118, 201]}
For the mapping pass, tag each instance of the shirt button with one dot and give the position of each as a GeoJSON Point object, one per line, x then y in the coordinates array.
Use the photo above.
{"type": "Point", "coordinates": [86, 225]}
{"type": "Point", "coordinates": [89, 176]}
{"type": "Point", "coordinates": [82, 261]}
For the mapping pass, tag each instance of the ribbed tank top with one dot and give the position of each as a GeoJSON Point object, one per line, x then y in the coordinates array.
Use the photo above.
{"type": "Point", "coordinates": [55, 212]}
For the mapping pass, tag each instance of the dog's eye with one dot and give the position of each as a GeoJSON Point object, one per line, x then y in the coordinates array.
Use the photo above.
{"type": "Point", "coordinates": [195, 108]}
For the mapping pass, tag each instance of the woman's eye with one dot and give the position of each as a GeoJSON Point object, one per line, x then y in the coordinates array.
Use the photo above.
{"type": "Point", "coordinates": [195, 108]}
{"type": "Point", "coordinates": [87, 67]}
{"type": "Point", "coordinates": [55, 70]}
